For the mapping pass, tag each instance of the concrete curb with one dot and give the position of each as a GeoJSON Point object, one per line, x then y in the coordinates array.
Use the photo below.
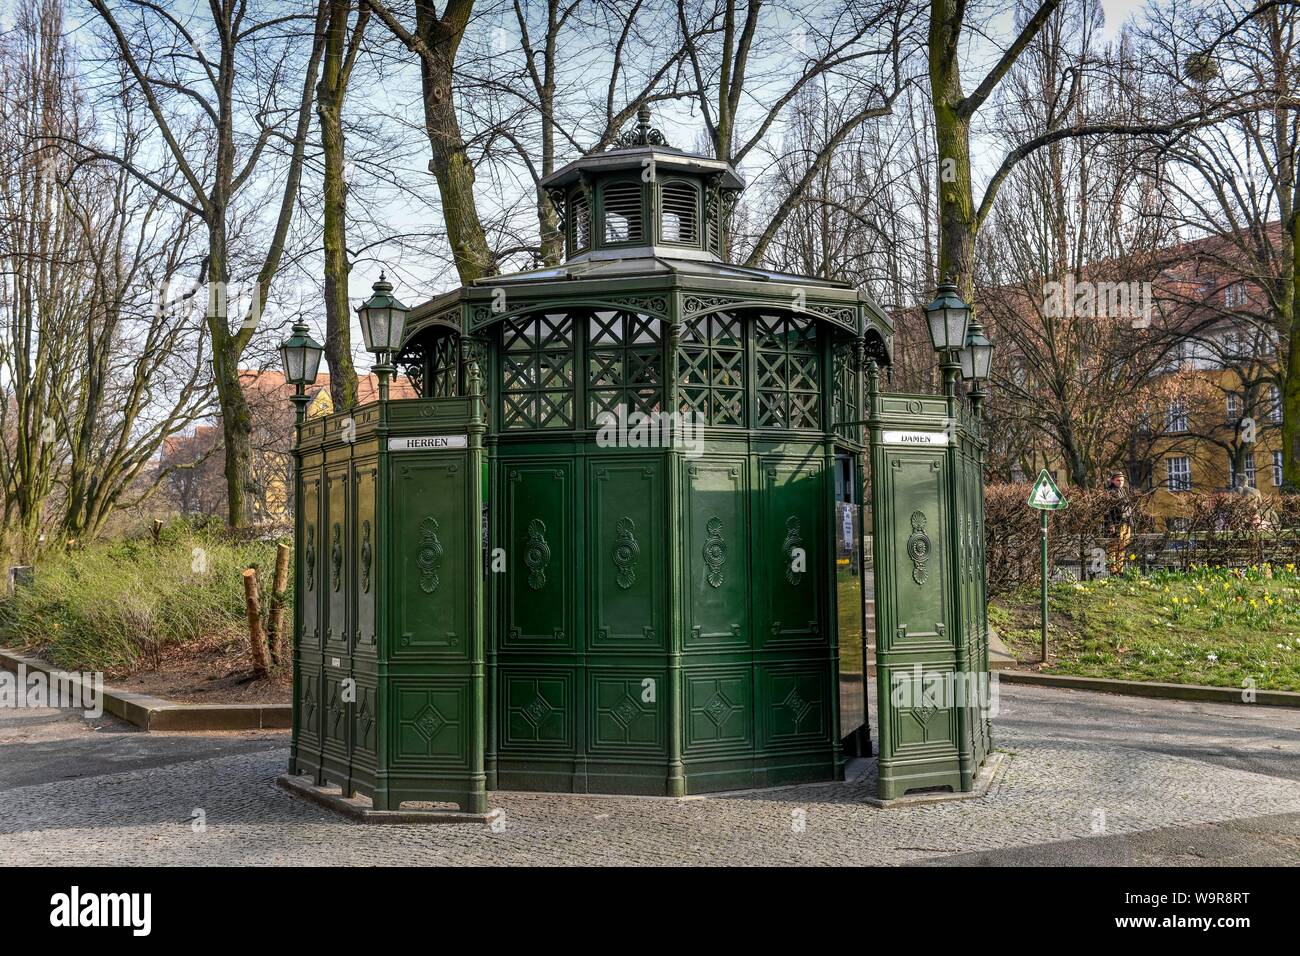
{"type": "Point", "coordinates": [358, 809]}
{"type": "Point", "coordinates": [156, 714]}
{"type": "Point", "coordinates": [1136, 688]}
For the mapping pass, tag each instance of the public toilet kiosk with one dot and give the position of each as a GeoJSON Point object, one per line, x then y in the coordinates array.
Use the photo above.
{"type": "Point", "coordinates": [616, 544]}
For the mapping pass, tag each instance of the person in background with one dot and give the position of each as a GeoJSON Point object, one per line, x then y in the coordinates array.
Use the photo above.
{"type": "Point", "coordinates": [1119, 521]}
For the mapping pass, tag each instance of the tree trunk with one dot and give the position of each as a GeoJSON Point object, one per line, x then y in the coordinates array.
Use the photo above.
{"type": "Point", "coordinates": [450, 163]}
{"type": "Point", "coordinates": [329, 109]}
{"type": "Point", "coordinates": [253, 611]}
{"type": "Point", "coordinates": [957, 224]}
{"type": "Point", "coordinates": [279, 584]}
{"type": "Point", "coordinates": [236, 430]}
{"type": "Point", "coordinates": [1291, 388]}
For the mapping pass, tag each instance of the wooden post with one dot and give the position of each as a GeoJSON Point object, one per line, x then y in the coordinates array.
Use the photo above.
{"type": "Point", "coordinates": [256, 638]}
{"type": "Point", "coordinates": [275, 622]}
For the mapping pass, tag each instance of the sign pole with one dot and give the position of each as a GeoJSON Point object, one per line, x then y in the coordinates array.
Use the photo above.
{"type": "Point", "coordinates": [1046, 497]}
{"type": "Point", "coordinates": [1042, 547]}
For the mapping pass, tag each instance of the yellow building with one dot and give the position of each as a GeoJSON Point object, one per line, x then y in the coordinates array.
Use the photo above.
{"type": "Point", "coordinates": [1220, 425]}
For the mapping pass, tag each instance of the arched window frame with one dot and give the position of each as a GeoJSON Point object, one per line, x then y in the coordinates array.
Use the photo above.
{"type": "Point", "coordinates": [697, 211]}
{"type": "Point", "coordinates": [640, 238]}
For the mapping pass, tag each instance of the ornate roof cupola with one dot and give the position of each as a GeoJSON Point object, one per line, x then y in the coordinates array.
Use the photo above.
{"type": "Point", "coordinates": [644, 198]}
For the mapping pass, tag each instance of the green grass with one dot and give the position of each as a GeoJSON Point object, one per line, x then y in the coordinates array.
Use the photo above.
{"type": "Point", "coordinates": [115, 606]}
{"type": "Point", "coordinates": [1212, 626]}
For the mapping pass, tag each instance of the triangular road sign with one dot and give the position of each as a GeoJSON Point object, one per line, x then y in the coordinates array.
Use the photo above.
{"type": "Point", "coordinates": [1046, 496]}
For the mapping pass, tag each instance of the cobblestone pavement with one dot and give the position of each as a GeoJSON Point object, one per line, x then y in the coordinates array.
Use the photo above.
{"type": "Point", "coordinates": [1092, 778]}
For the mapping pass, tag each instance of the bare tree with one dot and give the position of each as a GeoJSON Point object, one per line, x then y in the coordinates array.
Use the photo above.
{"type": "Point", "coordinates": [737, 55]}
{"type": "Point", "coordinates": [39, 238]}
{"type": "Point", "coordinates": [436, 39]}
{"type": "Point", "coordinates": [341, 49]}
{"type": "Point", "coordinates": [224, 107]}
{"type": "Point", "coordinates": [1239, 173]}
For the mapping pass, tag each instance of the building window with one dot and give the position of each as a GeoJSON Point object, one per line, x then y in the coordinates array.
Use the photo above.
{"type": "Point", "coordinates": [624, 364]}
{"type": "Point", "coordinates": [537, 372]}
{"type": "Point", "coordinates": [1234, 296]}
{"type": "Point", "coordinates": [1247, 476]}
{"type": "Point", "coordinates": [1179, 473]}
{"type": "Point", "coordinates": [622, 211]}
{"type": "Point", "coordinates": [1277, 469]}
{"type": "Point", "coordinates": [1234, 406]}
{"type": "Point", "coordinates": [680, 220]}
{"type": "Point", "coordinates": [1274, 404]}
{"type": "Point", "coordinates": [711, 369]}
{"type": "Point", "coordinates": [788, 373]}
{"type": "Point", "coordinates": [1176, 419]}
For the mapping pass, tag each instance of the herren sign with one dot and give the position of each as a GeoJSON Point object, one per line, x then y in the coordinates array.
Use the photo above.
{"type": "Point", "coordinates": [427, 443]}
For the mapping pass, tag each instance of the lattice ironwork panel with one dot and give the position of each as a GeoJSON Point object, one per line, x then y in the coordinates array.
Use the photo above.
{"type": "Point", "coordinates": [624, 364]}
{"type": "Point", "coordinates": [537, 366]}
{"type": "Point", "coordinates": [787, 365]}
{"type": "Point", "coordinates": [845, 397]}
{"type": "Point", "coordinates": [711, 369]}
{"type": "Point", "coordinates": [445, 362]}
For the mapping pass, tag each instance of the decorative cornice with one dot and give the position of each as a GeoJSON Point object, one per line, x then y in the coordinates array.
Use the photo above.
{"type": "Point", "coordinates": [482, 314]}
{"type": "Point", "coordinates": [844, 316]}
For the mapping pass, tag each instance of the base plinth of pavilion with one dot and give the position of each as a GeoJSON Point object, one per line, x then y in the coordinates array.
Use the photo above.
{"type": "Point", "coordinates": [988, 773]}
{"type": "Point", "coordinates": [359, 810]}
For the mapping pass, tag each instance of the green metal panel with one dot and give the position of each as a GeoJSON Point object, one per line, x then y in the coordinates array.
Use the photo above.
{"type": "Point", "coordinates": [431, 714]}
{"type": "Point", "coordinates": [718, 658]}
{"type": "Point", "coordinates": [626, 587]}
{"type": "Point", "coordinates": [305, 756]}
{"type": "Point", "coordinates": [388, 659]}
{"type": "Point", "coordinates": [539, 676]}
{"type": "Point", "coordinates": [927, 509]}
{"type": "Point", "coordinates": [796, 701]}
{"type": "Point", "coordinates": [430, 574]}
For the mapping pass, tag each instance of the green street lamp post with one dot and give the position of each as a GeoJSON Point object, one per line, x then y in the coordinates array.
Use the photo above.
{"type": "Point", "coordinates": [300, 355]}
{"type": "Point", "coordinates": [976, 358]}
{"type": "Point", "coordinates": [947, 318]}
{"type": "Point", "coordinates": [383, 323]}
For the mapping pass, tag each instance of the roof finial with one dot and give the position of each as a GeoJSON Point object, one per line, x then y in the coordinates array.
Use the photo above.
{"type": "Point", "coordinates": [643, 135]}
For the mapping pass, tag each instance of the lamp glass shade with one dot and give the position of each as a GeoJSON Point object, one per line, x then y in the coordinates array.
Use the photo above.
{"type": "Point", "coordinates": [947, 318]}
{"type": "Point", "coordinates": [293, 360]}
{"type": "Point", "coordinates": [300, 355]}
{"type": "Point", "coordinates": [383, 319]}
{"type": "Point", "coordinates": [976, 357]}
{"type": "Point", "coordinates": [312, 358]}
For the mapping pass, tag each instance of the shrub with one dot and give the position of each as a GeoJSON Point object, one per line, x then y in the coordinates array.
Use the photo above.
{"type": "Point", "coordinates": [1223, 529]}
{"type": "Point", "coordinates": [115, 606]}
{"type": "Point", "coordinates": [1012, 532]}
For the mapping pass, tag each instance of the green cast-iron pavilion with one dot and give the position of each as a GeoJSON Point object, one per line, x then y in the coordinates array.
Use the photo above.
{"type": "Point", "coordinates": [491, 594]}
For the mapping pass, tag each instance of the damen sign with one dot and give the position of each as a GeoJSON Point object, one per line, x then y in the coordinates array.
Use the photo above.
{"type": "Point", "coordinates": [929, 439]}
{"type": "Point", "coordinates": [427, 443]}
